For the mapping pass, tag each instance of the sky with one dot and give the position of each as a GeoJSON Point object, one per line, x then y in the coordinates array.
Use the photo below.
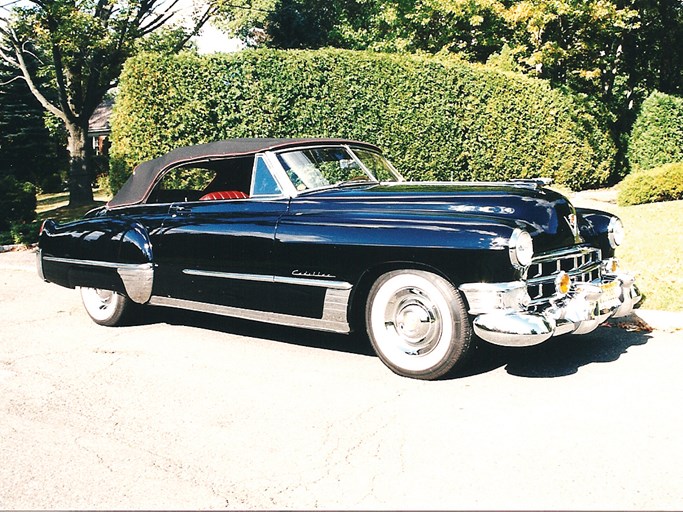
{"type": "Point", "coordinates": [210, 39]}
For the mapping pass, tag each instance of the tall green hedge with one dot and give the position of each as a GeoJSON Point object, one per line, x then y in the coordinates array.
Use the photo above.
{"type": "Point", "coordinates": [436, 119]}
{"type": "Point", "coordinates": [657, 135]}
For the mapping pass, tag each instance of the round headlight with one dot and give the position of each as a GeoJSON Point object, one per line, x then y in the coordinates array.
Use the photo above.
{"type": "Point", "coordinates": [521, 248]}
{"type": "Point", "coordinates": [615, 232]}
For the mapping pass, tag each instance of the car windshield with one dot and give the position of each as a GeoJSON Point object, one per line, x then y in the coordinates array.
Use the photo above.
{"type": "Point", "coordinates": [315, 168]}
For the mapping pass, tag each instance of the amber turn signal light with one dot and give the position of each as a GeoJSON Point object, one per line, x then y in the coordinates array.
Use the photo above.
{"type": "Point", "coordinates": [563, 283]}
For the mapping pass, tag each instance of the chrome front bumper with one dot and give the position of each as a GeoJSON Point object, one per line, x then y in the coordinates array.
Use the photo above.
{"type": "Point", "coordinates": [502, 317]}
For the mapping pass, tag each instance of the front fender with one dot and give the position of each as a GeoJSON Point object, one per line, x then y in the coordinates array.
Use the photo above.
{"type": "Point", "coordinates": [347, 246]}
{"type": "Point", "coordinates": [594, 228]}
{"type": "Point", "coordinates": [112, 254]}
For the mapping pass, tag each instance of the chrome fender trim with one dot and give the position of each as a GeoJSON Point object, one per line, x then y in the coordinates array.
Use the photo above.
{"type": "Point", "coordinates": [39, 264]}
{"type": "Point", "coordinates": [138, 281]}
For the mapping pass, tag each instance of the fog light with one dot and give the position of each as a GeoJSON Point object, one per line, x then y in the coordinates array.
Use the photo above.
{"type": "Point", "coordinates": [563, 283]}
{"type": "Point", "coordinates": [610, 266]}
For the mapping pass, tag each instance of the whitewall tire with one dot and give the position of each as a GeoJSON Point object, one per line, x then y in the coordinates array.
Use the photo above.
{"type": "Point", "coordinates": [105, 307]}
{"type": "Point", "coordinates": [417, 323]}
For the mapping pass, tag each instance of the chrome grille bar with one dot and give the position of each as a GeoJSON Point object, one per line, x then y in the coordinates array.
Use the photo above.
{"type": "Point", "coordinates": [581, 263]}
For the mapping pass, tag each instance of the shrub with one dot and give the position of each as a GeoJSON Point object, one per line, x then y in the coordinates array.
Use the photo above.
{"type": "Point", "coordinates": [25, 233]}
{"type": "Point", "coordinates": [6, 238]}
{"type": "Point", "coordinates": [17, 202]}
{"type": "Point", "coordinates": [435, 118]}
{"type": "Point", "coordinates": [21, 233]}
{"type": "Point", "coordinates": [657, 135]}
{"type": "Point", "coordinates": [51, 183]}
{"type": "Point", "coordinates": [663, 183]}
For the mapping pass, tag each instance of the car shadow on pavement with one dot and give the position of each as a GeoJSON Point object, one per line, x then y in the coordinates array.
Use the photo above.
{"type": "Point", "coordinates": [355, 343]}
{"type": "Point", "coordinates": [557, 357]}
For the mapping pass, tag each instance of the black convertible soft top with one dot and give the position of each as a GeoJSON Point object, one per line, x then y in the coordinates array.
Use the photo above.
{"type": "Point", "coordinates": [145, 175]}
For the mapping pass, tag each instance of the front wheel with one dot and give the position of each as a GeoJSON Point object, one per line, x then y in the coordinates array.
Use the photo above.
{"type": "Point", "coordinates": [417, 323]}
{"type": "Point", "coordinates": [106, 307]}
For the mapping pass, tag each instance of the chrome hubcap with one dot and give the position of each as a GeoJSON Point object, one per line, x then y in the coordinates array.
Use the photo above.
{"type": "Point", "coordinates": [104, 298]}
{"type": "Point", "coordinates": [414, 321]}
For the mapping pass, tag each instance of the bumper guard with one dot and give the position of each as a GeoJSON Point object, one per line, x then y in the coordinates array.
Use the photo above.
{"type": "Point", "coordinates": [501, 319]}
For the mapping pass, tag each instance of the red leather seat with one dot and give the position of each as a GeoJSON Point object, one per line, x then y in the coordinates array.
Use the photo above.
{"type": "Point", "coordinates": [224, 194]}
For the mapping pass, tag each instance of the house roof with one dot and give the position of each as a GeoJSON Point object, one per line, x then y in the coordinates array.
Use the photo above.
{"type": "Point", "coordinates": [99, 121]}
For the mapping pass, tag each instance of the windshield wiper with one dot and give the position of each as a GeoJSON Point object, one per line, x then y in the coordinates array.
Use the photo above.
{"type": "Point", "coordinates": [341, 184]}
{"type": "Point", "coordinates": [355, 182]}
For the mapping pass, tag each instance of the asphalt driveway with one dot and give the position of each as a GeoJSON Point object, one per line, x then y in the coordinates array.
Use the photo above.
{"type": "Point", "coordinates": [186, 410]}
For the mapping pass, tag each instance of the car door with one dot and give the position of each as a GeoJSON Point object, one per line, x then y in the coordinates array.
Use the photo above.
{"type": "Point", "coordinates": [216, 252]}
{"type": "Point", "coordinates": [219, 250]}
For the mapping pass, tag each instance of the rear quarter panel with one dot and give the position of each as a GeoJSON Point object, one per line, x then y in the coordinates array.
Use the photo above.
{"type": "Point", "coordinates": [77, 253]}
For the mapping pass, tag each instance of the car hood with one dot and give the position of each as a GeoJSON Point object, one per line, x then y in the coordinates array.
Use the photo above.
{"type": "Point", "coordinates": [548, 215]}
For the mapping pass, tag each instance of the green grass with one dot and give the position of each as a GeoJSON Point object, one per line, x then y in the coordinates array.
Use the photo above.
{"type": "Point", "coordinates": [653, 249]}
{"type": "Point", "coordinates": [56, 206]}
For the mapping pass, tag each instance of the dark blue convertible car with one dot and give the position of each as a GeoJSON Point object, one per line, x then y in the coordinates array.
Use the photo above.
{"type": "Point", "coordinates": [326, 234]}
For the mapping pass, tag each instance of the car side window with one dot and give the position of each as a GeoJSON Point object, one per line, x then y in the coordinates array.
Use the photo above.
{"type": "Point", "coordinates": [219, 179]}
{"type": "Point", "coordinates": [182, 184]}
{"type": "Point", "coordinates": [263, 183]}
{"type": "Point", "coordinates": [376, 164]}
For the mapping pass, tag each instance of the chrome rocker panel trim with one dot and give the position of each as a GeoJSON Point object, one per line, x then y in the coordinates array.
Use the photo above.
{"type": "Point", "coordinates": [582, 311]}
{"type": "Point", "coordinates": [334, 317]}
{"type": "Point", "coordinates": [335, 305]}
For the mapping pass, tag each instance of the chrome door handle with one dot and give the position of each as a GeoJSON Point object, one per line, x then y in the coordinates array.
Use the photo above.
{"type": "Point", "coordinates": [178, 209]}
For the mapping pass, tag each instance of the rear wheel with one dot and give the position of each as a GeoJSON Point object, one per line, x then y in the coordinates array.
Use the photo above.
{"type": "Point", "coordinates": [417, 323]}
{"type": "Point", "coordinates": [106, 307]}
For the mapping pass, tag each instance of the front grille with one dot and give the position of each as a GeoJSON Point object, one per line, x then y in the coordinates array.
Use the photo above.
{"type": "Point", "coordinates": [582, 264]}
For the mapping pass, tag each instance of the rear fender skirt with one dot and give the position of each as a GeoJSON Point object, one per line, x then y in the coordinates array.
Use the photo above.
{"type": "Point", "coordinates": [106, 253]}
{"type": "Point", "coordinates": [137, 278]}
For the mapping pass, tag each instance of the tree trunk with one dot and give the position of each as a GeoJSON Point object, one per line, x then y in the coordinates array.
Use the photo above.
{"type": "Point", "coordinates": [80, 188]}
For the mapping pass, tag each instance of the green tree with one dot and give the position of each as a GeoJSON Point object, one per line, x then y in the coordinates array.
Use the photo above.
{"type": "Point", "coordinates": [579, 43]}
{"type": "Point", "coordinates": [28, 150]}
{"type": "Point", "coordinates": [475, 28]}
{"type": "Point", "coordinates": [80, 48]}
{"type": "Point", "coordinates": [603, 47]}
{"type": "Point", "coordinates": [654, 53]}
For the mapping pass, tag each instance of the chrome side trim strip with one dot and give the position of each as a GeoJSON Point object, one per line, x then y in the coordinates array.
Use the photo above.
{"type": "Point", "coordinates": [94, 263]}
{"type": "Point", "coordinates": [228, 275]}
{"type": "Point", "coordinates": [334, 312]}
{"type": "Point", "coordinates": [320, 283]}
